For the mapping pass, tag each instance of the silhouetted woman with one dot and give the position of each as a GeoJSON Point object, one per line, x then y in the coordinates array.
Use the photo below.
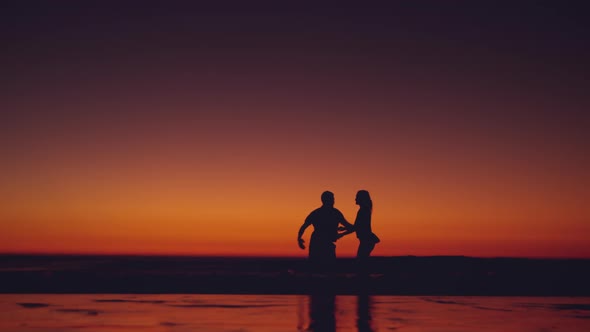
{"type": "Point", "coordinates": [362, 226]}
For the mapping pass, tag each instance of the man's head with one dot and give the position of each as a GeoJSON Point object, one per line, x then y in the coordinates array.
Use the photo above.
{"type": "Point", "coordinates": [328, 198]}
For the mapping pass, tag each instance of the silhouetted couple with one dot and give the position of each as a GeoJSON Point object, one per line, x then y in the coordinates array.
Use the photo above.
{"type": "Point", "coordinates": [327, 221]}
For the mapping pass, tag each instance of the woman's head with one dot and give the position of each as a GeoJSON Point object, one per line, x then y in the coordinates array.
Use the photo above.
{"type": "Point", "coordinates": [363, 199]}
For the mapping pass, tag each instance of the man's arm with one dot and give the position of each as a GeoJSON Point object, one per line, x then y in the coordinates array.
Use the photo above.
{"type": "Point", "coordinates": [302, 229]}
{"type": "Point", "coordinates": [347, 229]}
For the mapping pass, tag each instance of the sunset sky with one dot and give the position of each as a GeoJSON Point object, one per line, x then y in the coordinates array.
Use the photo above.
{"type": "Point", "coordinates": [204, 130]}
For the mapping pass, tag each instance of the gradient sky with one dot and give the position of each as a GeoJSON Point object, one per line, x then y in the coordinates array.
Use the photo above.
{"type": "Point", "coordinates": [189, 129]}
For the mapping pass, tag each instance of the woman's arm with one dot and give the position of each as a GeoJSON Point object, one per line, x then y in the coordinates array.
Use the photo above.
{"type": "Point", "coordinates": [346, 229]}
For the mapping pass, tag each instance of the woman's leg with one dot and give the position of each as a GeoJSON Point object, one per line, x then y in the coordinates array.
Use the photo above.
{"type": "Point", "coordinates": [364, 250]}
{"type": "Point", "coordinates": [362, 256]}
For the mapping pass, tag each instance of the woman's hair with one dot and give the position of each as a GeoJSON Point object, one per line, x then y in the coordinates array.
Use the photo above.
{"type": "Point", "coordinates": [364, 199]}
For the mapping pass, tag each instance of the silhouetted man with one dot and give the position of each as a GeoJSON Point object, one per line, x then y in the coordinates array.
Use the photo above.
{"type": "Point", "coordinates": [325, 221]}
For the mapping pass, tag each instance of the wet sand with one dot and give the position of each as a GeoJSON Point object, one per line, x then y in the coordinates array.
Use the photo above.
{"type": "Point", "coordinates": [190, 312]}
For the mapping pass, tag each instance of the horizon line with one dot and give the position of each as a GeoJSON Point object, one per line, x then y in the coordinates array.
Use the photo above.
{"type": "Point", "coordinates": [187, 255]}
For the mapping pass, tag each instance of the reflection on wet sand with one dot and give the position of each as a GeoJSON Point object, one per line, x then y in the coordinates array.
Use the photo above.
{"type": "Point", "coordinates": [364, 307]}
{"type": "Point", "coordinates": [265, 313]}
{"type": "Point", "coordinates": [323, 310]}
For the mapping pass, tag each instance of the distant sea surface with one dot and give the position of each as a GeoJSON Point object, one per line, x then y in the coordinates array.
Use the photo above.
{"type": "Point", "coordinates": [406, 275]}
{"type": "Point", "coordinates": [321, 312]}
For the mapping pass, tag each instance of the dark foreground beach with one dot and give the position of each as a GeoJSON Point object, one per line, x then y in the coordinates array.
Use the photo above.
{"type": "Point", "coordinates": [213, 275]}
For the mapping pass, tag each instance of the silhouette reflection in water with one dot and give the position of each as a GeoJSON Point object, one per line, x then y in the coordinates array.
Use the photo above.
{"type": "Point", "coordinates": [322, 312]}
{"type": "Point", "coordinates": [323, 309]}
{"type": "Point", "coordinates": [364, 306]}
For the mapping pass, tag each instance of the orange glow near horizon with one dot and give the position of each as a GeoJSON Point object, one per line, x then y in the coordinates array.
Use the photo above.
{"type": "Point", "coordinates": [248, 196]}
{"type": "Point", "coordinates": [259, 216]}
